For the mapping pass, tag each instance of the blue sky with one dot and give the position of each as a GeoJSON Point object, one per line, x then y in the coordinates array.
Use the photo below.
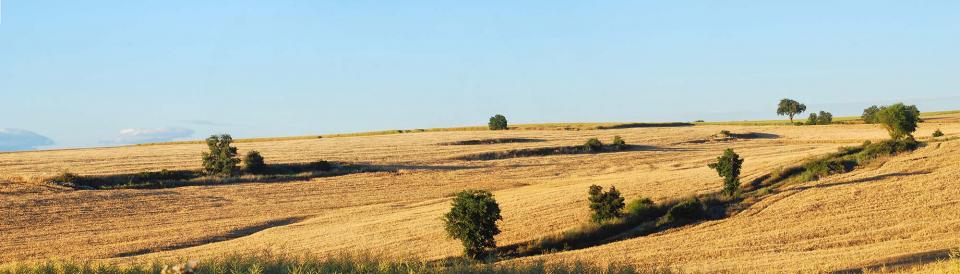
{"type": "Point", "coordinates": [94, 73]}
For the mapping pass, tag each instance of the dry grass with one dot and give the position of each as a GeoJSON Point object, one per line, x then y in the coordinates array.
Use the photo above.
{"type": "Point", "coordinates": [905, 206]}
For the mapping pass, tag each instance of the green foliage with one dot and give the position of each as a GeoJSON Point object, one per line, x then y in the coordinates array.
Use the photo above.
{"type": "Point", "coordinates": [593, 144]}
{"type": "Point", "coordinates": [473, 220]}
{"type": "Point", "coordinates": [937, 133]}
{"type": "Point", "coordinates": [253, 163]}
{"type": "Point", "coordinates": [618, 143]}
{"type": "Point", "coordinates": [900, 120]}
{"type": "Point", "coordinates": [605, 205]}
{"type": "Point", "coordinates": [823, 118]}
{"type": "Point", "coordinates": [687, 211]}
{"type": "Point", "coordinates": [870, 115]}
{"type": "Point", "coordinates": [498, 122]}
{"type": "Point", "coordinates": [790, 108]}
{"type": "Point", "coordinates": [728, 166]}
{"type": "Point", "coordinates": [813, 119]}
{"type": "Point", "coordinates": [222, 158]}
{"type": "Point", "coordinates": [642, 208]}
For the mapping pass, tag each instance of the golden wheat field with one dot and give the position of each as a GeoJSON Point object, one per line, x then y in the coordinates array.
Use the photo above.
{"type": "Point", "coordinates": [893, 212]}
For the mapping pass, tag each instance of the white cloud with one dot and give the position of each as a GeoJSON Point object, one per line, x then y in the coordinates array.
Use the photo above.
{"type": "Point", "coordinates": [17, 139]}
{"type": "Point", "coordinates": [139, 136]}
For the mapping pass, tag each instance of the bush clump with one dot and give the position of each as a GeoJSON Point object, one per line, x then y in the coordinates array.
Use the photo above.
{"type": "Point", "coordinates": [222, 158]}
{"type": "Point", "coordinates": [498, 122]}
{"type": "Point", "coordinates": [937, 133]}
{"type": "Point", "coordinates": [642, 208]}
{"type": "Point", "coordinates": [728, 166]}
{"type": "Point", "coordinates": [473, 220]}
{"type": "Point", "coordinates": [593, 144]}
{"type": "Point", "coordinates": [253, 163]}
{"type": "Point", "coordinates": [823, 118]}
{"type": "Point", "coordinates": [66, 178]}
{"type": "Point", "coordinates": [605, 205]}
{"type": "Point", "coordinates": [687, 211]}
{"type": "Point", "coordinates": [618, 143]}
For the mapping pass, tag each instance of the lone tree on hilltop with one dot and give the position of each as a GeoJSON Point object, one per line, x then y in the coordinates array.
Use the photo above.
{"type": "Point", "coordinates": [473, 220]}
{"type": "Point", "coordinates": [728, 166]}
{"type": "Point", "coordinates": [605, 205]}
{"type": "Point", "coordinates": [790, 108]}
{"type": "Point", "coordinates": [222, 158]}
{"type": "Point", "coordinates": [900, 120]}
{"type": "Point", "coordinates": [498, 122]}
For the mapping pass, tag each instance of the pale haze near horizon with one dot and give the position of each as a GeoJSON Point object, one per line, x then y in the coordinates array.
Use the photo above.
{"type": "Point", "coordinates": [81, 74]}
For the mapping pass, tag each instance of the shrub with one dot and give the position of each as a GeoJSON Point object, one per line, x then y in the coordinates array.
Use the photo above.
{"type": "Point", "coordinates": [593, 144]}
{"type": "Point", "coordinates": [473, 220]}
{"type": "Point", "coordinates": [870, 115]}
{"type": "Point", "coordinates": [825, 118]}
{"type": "Point", "coordinates": [725, 133]}
{"type": "Point", "coordinates": [641, 208]}
{"type": "Point", "coordinates": [498, 122]}
{"type": "Point", "coordinates": [937, 133]}
{"type": "Point", "coordinates": [605, 205]}
{"type": "Point", "coordinates": [813, 119]}
{"type": "Point", "coordinates": [900, 120]}
{"type": "Point", "coordinates": [687, 211]}
{"type": "Point", "coordinates": [253, 163]}
{"type": "Point", "coordinates": [222, 158]}
{"type": "Point", "coordinates": [790, 108]}
{"type": "Point", "coordinates": [699, 121]}
{"type": "Point", "coordinates": [619, 143]}
{"type": "Point", "coordinates": [728, 166]}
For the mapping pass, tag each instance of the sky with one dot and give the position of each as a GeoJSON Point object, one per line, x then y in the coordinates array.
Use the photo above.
{"type": "Point", "coordinates": [104, 73]}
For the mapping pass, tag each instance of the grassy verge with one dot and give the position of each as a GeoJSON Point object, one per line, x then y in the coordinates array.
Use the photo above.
{"type": "Point", "coordinates": [179, 178]}
{"type": "Point", "coordinates": [266, 263]}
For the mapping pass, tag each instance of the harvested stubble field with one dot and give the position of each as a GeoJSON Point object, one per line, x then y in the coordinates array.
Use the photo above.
{"type": "Point", "coordinates": [884, 213]}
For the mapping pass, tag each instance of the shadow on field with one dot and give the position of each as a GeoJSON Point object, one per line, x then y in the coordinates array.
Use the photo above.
{"type": "Point", "coordinates": [564, 150]}
{"type": "Point", "coordinates": [863, 180]}
{"type": "Point", "coordinates": [492, 141]}
{"type": "Point", "coordinates": [272, 173]}
{"type": "Point", "coordinates": [900, 262]}
{"type": "Point", "coordinates": [241, 232]}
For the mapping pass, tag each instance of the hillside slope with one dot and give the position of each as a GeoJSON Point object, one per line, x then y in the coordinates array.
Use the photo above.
{"type": "Point", "coordinates": [904, 211]}
{"type": "Point", "coordinates": [397, 214]}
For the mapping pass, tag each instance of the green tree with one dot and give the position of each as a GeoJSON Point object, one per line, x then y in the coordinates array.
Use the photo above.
{"type": "Point", "coordinates": [900, 120]}
{"type": "Point", "coordinates": [222, 158]}
{"type": "Point", "coordinates": [825, 118]}
{"type": "Point", "coordinates": [728, 166]}
{"type": "Point", "coordinates": [498, 122]}
{"type": "Point", "coordinates": [790, 108]}
{"type": "Point", "coordinates": [938, 133]}
{"type": "Point", "coordinates": [473, 220]}
{"type": "Point", "coordinates": [605, 205]}
{"type": "Point", "coordinates": [253, 163]}
{"type": "Point", "coordinates": [813, 120]}
{"type": "Point", "coordinates": [870, 115]}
